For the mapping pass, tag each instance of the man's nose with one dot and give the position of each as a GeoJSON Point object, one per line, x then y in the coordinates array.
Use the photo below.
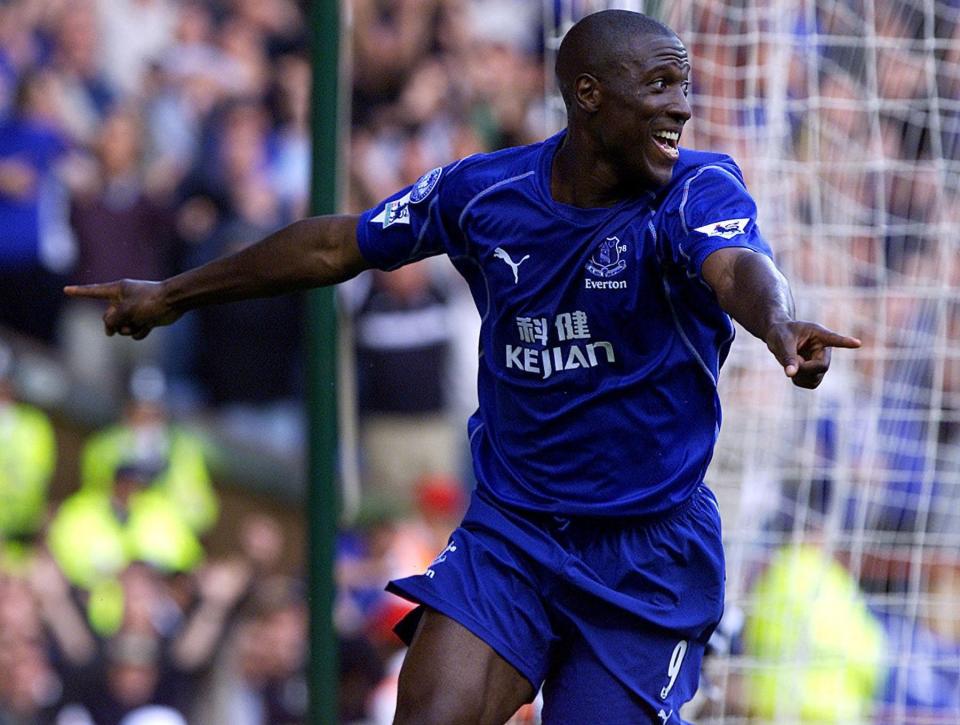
{"type": "Point", "coordinates": [680, 106]}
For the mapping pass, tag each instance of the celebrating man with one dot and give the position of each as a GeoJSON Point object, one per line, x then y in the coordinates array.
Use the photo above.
{"type": "Point", "coordinates": [606, 263]}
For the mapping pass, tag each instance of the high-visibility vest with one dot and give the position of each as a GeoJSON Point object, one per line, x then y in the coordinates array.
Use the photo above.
{"type": "Point", "coordinates": [185, 480]}
{"type": "Point", "coordinates": [91, 544]}
{"type": "Point", "coordinates": [816, 650]}
{"type": "Point", "coordinates": [28, 457]}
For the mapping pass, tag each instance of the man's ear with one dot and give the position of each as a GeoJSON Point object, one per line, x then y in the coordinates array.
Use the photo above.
{"type": "Point", "coordinates": [586, 90]}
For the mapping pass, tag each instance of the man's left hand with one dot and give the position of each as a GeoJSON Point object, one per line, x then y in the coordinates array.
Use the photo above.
{"type": "Point", "coordinates": [803, 349]}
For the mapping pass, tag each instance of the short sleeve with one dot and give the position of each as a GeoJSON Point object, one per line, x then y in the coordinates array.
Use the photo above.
{"type": "Point", "coordinates": [410, 225]}
{"type": "Point", "coordinates": [715, 211]}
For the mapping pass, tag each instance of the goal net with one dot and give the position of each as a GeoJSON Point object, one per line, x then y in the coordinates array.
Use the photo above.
{"type": "Point", "coordinates": [841, 507]}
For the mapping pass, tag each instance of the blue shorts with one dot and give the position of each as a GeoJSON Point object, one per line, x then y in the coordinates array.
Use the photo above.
{"type": "Point", "coordinates": [610, 616]}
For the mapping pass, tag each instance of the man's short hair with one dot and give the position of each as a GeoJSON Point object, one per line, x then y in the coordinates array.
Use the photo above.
{"type": "Point", "coordinates": [598, 40]}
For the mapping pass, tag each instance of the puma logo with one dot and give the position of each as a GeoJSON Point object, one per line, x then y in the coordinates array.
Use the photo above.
{"type": "Point", "coordinates": [664, 715]}
{"type": "Point", "coordinates": [500, 253]}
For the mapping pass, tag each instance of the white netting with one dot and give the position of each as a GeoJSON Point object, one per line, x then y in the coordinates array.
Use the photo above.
{"type": "Point", "coordinates": [844, 115]}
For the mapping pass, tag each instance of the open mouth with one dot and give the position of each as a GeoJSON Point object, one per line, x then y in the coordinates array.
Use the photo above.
{"type": "Point", "coordinates": [667, 142]}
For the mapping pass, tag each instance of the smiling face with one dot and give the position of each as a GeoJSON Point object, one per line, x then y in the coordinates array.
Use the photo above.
{"type": "Point", "coordinates": [642, 109]}
{"type": "Point", "coordinates": [624, 79]}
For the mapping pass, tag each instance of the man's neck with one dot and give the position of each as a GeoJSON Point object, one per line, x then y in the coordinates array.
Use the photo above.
{"type": "Point", "coordinates": [581, 177]}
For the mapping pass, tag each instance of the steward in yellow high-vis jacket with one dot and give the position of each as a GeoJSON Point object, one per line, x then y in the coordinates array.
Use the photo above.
{"type": "Point", "coordinates": [817, 650]}
{"type": "Point", "coordinates": [28, 457]}
{"type": "Point", "coordinates": [147, 436]}
{"type": "Point", "coordinates": [95, 535]}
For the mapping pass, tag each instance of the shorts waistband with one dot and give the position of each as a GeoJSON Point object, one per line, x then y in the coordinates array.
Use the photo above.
{"type": "Point", "coordinates": [561, 522]}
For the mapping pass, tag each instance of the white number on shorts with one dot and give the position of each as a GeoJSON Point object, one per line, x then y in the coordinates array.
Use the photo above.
{"type": "Point", "coordinates": [676, 660]}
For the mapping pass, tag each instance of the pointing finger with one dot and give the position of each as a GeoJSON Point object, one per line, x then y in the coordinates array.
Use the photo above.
{"type": "Point", "coordinates": [110, 290]}
{"type": "Point", "coordinates": [833, 339]}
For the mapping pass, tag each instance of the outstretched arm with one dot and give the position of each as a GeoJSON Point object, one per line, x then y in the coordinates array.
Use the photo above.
{"type": "Point", "coordinates": [312, 252]}
{"type": "Point", "coordinates": [753, 291]}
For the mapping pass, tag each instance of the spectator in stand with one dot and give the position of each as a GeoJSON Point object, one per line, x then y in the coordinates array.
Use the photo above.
{"type": "Point", "coordinates": [506, 84]}
{"type": "Point", "coordinates": [155, 446]}
{"type": "Point", "coordinates": [56, 669]}
{"type": "Point", "coordinates": [269, 658]}
{"type": "Point", "coordinates": [36, 246]}
{"type": "Point", "coordinates": [945, 515]}
{"type": "Point", "coordinates": [403, 352]}
{"type": "Point", "coordinates": [242, 43]}
{"type": "Point", "coordinates": [160, 653]}
{"type": "Point", "coordinates": [29, 687]}
{"type": "Point", "coordinates": [25, 27]}
{"type": "Point", "coordinates": [290, 170]}
{"type": "Point", "coordinates": [948, 83]}
{"type": "Point", "coordinates": [70, 640]}
{"type": "Point", "coordinates": [383, 544]}
{"type": "Point", "coordinates": [255, 386]}
{"type": "Point", "coordinates": [923, 677]}
{"type": "Point", "coordinates": [279, 22]}
{"type": "Point", "coordinates": [16, 51]}
{"type": "Point", "coordinates": [441, 502]}
{"type": "Point", "coordinates": [191, 78]}
{"type": "Point", "coordinates": [389, 38]}
{"type": "Point", "coordinates": [40, 630]}
{"type": "Point", "coordinates": [96, 534]}
{"type": "Point", "coordinates": [87, 94]}
{"type": "Point", "coordinates": [366, 553]}
{"type": "Point", "coordinates": [120, 230]}
{"type": "Point", "coordinates": [134, 33]}
{"type": "Point", "coordinates": [819, 649]}
{"type": "Point", "coordinates": [28, 457]}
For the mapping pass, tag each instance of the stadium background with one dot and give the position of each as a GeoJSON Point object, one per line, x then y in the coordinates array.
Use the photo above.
{"type": "Point", "coordinates": [149, 135]}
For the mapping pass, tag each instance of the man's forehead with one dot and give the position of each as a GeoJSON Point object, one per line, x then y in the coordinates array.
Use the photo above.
{"type": "Point", "coordinates": [649, 52]}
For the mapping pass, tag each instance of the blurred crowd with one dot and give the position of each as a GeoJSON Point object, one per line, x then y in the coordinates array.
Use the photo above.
{"type": "Point", "coordinates": [112, 609]}
{"type": "Point", "coordinates": [844, 118]}
{"type": "Point", "coordinates": [139, 138]}
{"type": "Point", "coordinates": [133, 600]}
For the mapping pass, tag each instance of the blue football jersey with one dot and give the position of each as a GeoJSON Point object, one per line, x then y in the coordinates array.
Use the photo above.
{"type": "Point", "coordinates": [600, 342]}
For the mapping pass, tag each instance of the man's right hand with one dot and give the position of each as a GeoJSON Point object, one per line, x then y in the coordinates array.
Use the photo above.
{"type": "Point", "coordinates": [135, 306]}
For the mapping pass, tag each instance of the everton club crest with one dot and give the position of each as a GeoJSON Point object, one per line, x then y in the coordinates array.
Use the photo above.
{"type": "Point", "coordinates": [607, 261]}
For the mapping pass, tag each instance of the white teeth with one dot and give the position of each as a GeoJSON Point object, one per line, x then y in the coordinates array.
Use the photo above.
{"type": "Point", "coordinates": [668, 135]}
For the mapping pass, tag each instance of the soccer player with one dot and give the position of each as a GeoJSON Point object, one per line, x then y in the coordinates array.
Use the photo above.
{"type": "Point", "coordinates": [606, 263]}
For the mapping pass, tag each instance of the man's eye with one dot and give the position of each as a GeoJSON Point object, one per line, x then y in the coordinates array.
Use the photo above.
{"type": "Point", "coordinates": [660, 84]}
{"type": "Point", "coordinates": [685, 87]}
